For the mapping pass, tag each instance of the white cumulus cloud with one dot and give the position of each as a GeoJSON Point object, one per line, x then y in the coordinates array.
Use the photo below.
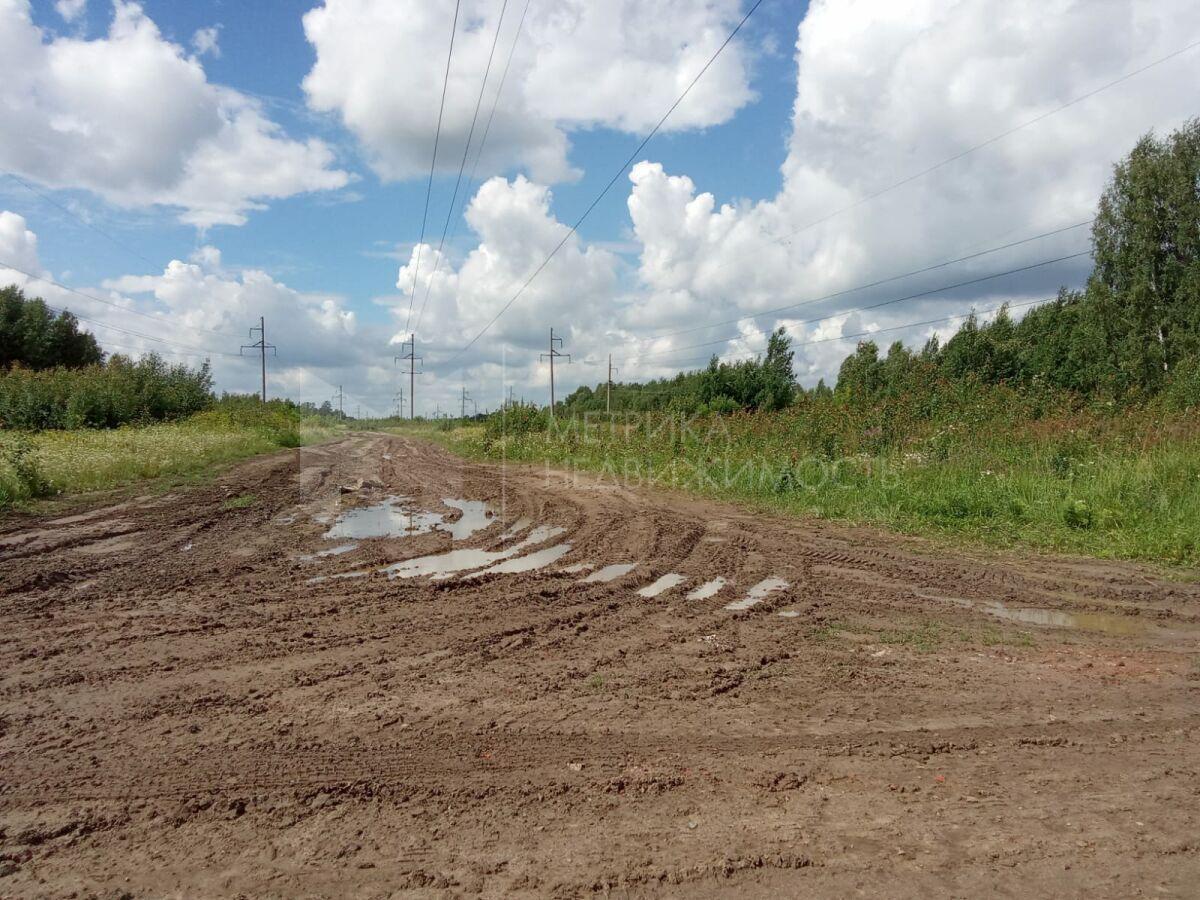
{"type": "Point", "coordinates": [581, 63]}
{"type": "Point", "coordinates": [134, 119]}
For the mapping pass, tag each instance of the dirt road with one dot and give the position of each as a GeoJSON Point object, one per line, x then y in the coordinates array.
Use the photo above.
{"type": "Point", "coordinates": [193, 703]}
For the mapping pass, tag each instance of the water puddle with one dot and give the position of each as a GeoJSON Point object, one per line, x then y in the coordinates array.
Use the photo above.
{"type": "Point", "coordinates": [789, 614]}
{"type": "Point", "coordinates": [476, 516]}
{"type": "Point", "coordinates": [609, 573]}
{"type": "Point", "coordinates": [577, 568]}
{"type": "Point", "coordinates": [1057, 618]}
{"type": "Point", "coordinates": [535, 560]}
{"type": "Point", "coordinates": [395, 517]}
{"type": "Point", "coordinates": [515, 528]}
{"type": "Point", "coordinates": [708, 589]}
{"type": "Point", "coordinates": [665, 583]}
{"type": "Point", "coordinates": [1109, 623]}
{"type": "Point", "coordinates": [467, 558]}
{"type": "Point", "coordinates": [757, 594]}
{"type": "Point", "coordinates": [332, 551]}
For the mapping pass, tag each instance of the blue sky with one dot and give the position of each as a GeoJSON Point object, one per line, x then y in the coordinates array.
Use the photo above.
{"type": "Point", "coordinates": [269, 158]}
{"type": "Point", "coordinates": [337, 244]}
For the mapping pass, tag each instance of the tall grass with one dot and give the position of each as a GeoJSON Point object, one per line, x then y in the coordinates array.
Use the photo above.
{"type": "Point", "coordinates": [1035, 468]}
{"type": "Point", "coordinates": [39, 464]}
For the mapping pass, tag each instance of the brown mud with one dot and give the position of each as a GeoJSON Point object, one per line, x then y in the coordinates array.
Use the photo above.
{"type": "Point", "coordinates": [188, 707]}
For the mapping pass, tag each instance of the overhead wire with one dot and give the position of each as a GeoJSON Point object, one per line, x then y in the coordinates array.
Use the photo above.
{"type": "Point", "coordinates": [868, 307]}
{"type": "Point", "coordinates": [80, 219]}
{"type": "Point", "coordinates": [433, 161]}
{"type": "Point", "coordinates": [487, 129]}
{"type": "Point", "coordinates": [870, 284]}
{"type": "Point", "coordinates": [608, 186]}
{"type": "Point", "coordinates": [117, 306]}
{"type": "Point", "coordinates": [730, 357]}
{"type": "Point", "coordinates": [437, 260]}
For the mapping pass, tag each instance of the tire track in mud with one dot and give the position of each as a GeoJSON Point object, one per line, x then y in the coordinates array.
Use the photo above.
{"type": "Point", "coordinates": [589, 720]}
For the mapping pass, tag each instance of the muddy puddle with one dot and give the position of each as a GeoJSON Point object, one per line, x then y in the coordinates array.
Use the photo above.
{"type": "Point", "coordinates": [396, 517]}
{"type": "Point", "coordinates": [468, 559]}
{"type": "Point", "coordinates": [708, 589]}
{"type": "Point", "coordinates": [757, 594]}
{"type": "Point", "coordinates": [332, 551]}
{"type": "Point", "coordinates": [1108, 623]}
{"type": "Point", "coordinates": [1057, 618]}
{"type": "Point", "coordinates": [665, 583]}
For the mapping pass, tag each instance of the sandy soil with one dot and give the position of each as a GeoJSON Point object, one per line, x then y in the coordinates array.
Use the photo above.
{"type": "Point", "coordinates": [190, 708]}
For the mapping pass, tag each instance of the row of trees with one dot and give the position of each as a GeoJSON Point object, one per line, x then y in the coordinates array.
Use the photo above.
{"type": "Point", "coordinates": [1132, 332]}
{"type": "Point", "coordinates": [765, 383]}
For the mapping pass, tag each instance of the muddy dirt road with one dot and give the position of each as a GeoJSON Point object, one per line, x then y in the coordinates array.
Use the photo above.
{"type": "Point", "coordinates": [228, 691]}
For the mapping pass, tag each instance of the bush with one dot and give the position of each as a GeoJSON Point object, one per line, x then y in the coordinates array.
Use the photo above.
{"type": "Point", "coordinates": [17, 451]}
{"type": "Point", "coordinates": [117, 393]}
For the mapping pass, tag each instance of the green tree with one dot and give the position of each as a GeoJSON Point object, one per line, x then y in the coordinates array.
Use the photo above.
{"type": "Point", "coordinates": [31, 335]}
{"type": "Point", "coordinates": [1147, 249]}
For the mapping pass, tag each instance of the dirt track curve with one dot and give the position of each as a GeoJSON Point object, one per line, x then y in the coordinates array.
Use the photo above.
{"type": "Point", "coordinates": [189, 707]}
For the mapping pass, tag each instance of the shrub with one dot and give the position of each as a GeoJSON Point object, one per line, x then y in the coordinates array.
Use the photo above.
{"type": "Point", "coordinates": [116, 393]}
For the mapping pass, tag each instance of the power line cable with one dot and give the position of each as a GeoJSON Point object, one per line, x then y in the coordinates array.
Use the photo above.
{"type": "Point", "coordinates": [84, 222]}
{"type": "Point", "coordinates": [437, 260]}
{"type": "Point", "coordinates": [102, 324]}
{"type": "Point", "coordinates": [117, 306]}
{"type": "Point", "coordinates": [906, 325]}
{"type": "Point", "coordinates": [141, 334]}
{"type": "Point", "coordinates": [433, 162]}
{"type": "Point", "coordinates": [913, 296]}
{"type": "Point", "coordinates": [487, 129]}
{"type": "Point", "coordinates": [619, 172]}
{"type": "Point", "coordinates": [871, 284]}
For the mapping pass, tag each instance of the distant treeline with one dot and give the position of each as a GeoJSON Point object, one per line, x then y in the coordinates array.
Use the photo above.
{"type": "Point", "coordinates": [1133, 332]}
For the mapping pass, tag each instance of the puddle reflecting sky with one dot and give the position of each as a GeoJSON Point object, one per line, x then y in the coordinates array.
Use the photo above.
{"type": "Point", "coordinates": [396, 517]}
{"type": "Point", "coordinates": [665, 583]}
{"type": "Point", "coordinates": [1057, 618]}
{"type": "Point", "coordinates": [757, 594]}
{"type": "Point", "coordinates": [467, 559]}
{"type": "Point", "coordinates": [708, 589]}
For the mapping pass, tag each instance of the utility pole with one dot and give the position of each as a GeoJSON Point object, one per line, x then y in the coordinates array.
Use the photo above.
{"type": "Point", "coordinates": [408, 353]}
{"type": "Point", "coordinates": [511, 401]}
{"type": "Point", "coordinates": [608, 394]}
{"type": "Point", "coordinates": [358, 410]}
{"type": "Point", "coordinates": [340, 397]}
{"type": "Point", "coordinates": [555, 343]}
{"type": "Point", "coordinates": [465, 398]}
{"type": "Point", "coordinates": [262, 347]}
{"type": "Point", "coordinates": [398, 399]}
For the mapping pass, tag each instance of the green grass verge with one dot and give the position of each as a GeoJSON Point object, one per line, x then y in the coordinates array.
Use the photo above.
{"type": "Point", "coordinates": [50, 463]}
{"type": "Point", "coordinates": [1109, 493]}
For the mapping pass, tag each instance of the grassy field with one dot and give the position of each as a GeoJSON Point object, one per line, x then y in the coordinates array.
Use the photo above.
{"type": "Point", "coordinates": [1122, 485]}
{"type": "Point", "coordinates": [49, 463]}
